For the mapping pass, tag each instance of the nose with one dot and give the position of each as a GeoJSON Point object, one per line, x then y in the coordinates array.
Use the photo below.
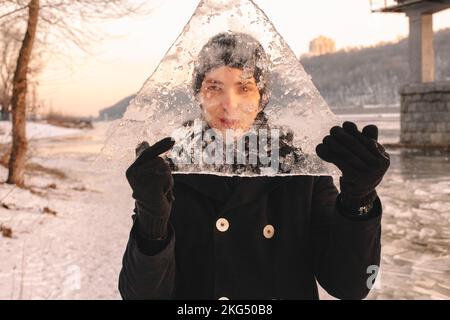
{"type": "Point", "coordinates": [229, 101]}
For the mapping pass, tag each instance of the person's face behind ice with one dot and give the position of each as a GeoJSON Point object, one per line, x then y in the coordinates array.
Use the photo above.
{"type": "Point", "coordinates": [230, 81]}
{"type": "Point", "coordinates": [230, 99]}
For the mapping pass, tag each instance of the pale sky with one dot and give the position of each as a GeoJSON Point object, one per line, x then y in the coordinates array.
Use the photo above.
{"type": "Point", "coordinates": [118, 66]}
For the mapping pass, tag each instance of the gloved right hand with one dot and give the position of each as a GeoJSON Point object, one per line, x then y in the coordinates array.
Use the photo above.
{"type": "Point", "coordinates": [151, 180]}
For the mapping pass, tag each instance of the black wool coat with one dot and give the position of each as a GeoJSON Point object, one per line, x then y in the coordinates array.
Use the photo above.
{"type": "Point", "coordinates": [265, 238]}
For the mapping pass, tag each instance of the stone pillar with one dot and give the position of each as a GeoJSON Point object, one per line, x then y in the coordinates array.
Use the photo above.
{"type": "Point", "coordinates": [421, 50]}
{"type": "Point", "coordinates": [425, 114]}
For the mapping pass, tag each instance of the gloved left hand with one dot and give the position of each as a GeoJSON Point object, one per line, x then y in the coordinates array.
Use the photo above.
{"type": "Point", "coordinates": [362, 160]}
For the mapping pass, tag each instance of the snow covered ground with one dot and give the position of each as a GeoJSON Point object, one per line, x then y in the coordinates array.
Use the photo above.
{"type": "Point", "coordinates": [70, 227]}
{"type": "Point", "coordinates": [73, 249]}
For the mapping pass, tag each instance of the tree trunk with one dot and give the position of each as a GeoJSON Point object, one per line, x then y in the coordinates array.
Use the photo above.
{"type": "Point", "coordinates": [18, 101]}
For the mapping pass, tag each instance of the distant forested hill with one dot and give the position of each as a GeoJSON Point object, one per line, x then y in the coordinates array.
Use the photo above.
{"type": "Point", "coordinates": [371, 75]}
{"type": "Point", "coordinates": [117, 110]}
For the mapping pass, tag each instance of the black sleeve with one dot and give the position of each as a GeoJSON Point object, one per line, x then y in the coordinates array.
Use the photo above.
{"type": "Point", "coordinates": [346, 250]}
{"type": "Point", "coordinates": [148, 267]}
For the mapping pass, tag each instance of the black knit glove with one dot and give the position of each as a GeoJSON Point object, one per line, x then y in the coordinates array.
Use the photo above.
{"type": "Point", "coordinates": [362, 160]}
{"type": "Point", "coordinates": [151, 180]}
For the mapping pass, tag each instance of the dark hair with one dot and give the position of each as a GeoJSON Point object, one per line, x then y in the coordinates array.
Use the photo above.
{"type": "Point", "coordinates": [235, 50]}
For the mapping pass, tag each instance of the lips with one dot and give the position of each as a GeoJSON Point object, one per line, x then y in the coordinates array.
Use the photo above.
{"type": "Point", "coordinates": [228, 123]}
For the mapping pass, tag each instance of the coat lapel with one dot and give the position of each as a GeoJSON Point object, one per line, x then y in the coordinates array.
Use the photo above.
{"type": "Point", "coordinates": [247, 190]}
{"type": "Point", "coordinates": [209, 185]}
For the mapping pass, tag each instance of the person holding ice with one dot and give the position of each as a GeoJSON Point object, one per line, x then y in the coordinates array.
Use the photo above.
{"type": "Point", "coordinates": [203, 236]}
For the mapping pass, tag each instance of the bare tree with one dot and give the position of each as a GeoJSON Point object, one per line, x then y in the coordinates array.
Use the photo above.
{"type": "Point", "coordinates": [60, 21]}
{"type": "Point", "coordinates": [9, 48]}
{"type": "Point", "coordinates": [16, 163]}
{"type": "Point", "coordinates": [10, 42]}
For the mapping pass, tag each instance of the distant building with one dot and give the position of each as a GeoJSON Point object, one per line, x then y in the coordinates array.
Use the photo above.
{"type": "Point", "coordinates": [321, 45]}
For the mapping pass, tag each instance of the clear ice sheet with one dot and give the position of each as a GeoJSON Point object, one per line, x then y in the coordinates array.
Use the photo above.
{"type": "Point", "coordinates": [166, 103]}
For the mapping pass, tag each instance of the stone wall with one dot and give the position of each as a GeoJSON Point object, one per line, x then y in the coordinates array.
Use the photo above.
{"type": "Point", "coordinates": [425, 114]}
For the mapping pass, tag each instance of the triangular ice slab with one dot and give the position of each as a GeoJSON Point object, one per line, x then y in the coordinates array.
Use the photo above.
{"type": "Point", "coordinates": [167, 106]}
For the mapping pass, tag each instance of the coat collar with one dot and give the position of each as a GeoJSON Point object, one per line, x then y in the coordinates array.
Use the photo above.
{"type": "Point", "coordinates": [247, 189]}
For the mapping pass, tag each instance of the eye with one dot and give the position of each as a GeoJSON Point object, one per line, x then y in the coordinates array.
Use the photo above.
{"type": "Point", "coordinates": [213, 87]}
{"type": "Point", "coordinates": [246, 88]}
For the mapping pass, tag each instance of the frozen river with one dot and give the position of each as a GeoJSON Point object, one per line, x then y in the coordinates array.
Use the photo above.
{"type": "Point", "coordinates": [416, 223]}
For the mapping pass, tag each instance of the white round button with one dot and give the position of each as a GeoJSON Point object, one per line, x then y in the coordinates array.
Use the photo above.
{"type": "Point", "coordinates": [223, 298]}
{"type": "Point", "coordinates": [268, 231]}
{"type": "Point", "coordinates": [222, 224]}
